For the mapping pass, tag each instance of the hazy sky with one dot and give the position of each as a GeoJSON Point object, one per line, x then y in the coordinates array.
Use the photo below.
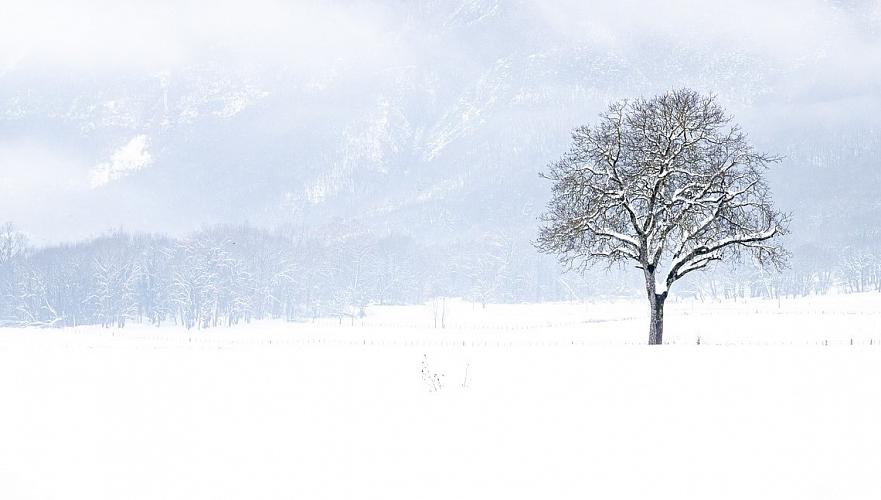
{"type": "Point", "coordinates": [105, 105]}
{"type": "Point", "coordinates": [111, 36]}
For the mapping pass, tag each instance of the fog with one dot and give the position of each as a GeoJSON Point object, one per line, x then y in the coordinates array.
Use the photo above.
{"type": "Point", "coordinates": [417, 122]}
{"type": "Point", "coordinates": [239, 111]}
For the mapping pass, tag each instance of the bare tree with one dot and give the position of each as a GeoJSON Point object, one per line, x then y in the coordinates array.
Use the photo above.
{"type": "Point", "coordinates": [13, 243]}
{"type": "Point", "coordinates": [13, 246]}
{"type": "Point", "coordinates": [114, 296]}
{"type": "Point", "coordinates": [666, 183]}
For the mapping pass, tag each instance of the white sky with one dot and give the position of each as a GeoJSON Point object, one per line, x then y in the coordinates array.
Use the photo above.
{"type": "Point", "coordinates": [112, 35]}
{"type": "Point", "coordinates": [97, 35]}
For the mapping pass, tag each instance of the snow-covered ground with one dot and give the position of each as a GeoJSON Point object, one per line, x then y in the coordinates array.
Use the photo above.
{"type": "Point", "coordinates": [510, 401]}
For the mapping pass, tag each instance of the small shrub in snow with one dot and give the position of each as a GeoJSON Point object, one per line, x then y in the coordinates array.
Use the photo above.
{"type": "Point", "coordinates": [432, 379]}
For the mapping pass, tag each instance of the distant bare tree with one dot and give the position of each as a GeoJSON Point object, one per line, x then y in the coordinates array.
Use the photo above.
{"type": "Point", "coordinates": [13, 243]}
{"type": "Point", "coordinates": [858, 268]}
{"type": "Point", "coordinates": [666, 183]}
{"type": "Point", "coordinates": [489, 268]}
{"type": "Point", "coordinates": [353, 269]}
{"type": "Point", "coordinates": [114, 296]}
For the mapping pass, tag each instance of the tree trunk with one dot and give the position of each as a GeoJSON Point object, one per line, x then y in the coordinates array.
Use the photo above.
{"type": "Point", "coordinates": [656, 320]}
{"type": "Point", "coordinates": [656, 301]}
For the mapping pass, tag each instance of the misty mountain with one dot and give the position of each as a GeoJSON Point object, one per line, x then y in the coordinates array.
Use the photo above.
{"type": "Point", "coordinates": [441, 137]}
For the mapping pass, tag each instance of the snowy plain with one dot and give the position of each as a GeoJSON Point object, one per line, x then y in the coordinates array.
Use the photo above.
{"type": "Point", "coordinates": [781, 399]}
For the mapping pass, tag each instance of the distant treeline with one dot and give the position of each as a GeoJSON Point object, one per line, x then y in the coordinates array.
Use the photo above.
{"type": "Point", "coordinates": [226, 275]}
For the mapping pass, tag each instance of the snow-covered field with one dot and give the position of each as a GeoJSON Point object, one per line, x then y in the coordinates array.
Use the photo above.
{"type": "Point", "coordinates": [779, 400]}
